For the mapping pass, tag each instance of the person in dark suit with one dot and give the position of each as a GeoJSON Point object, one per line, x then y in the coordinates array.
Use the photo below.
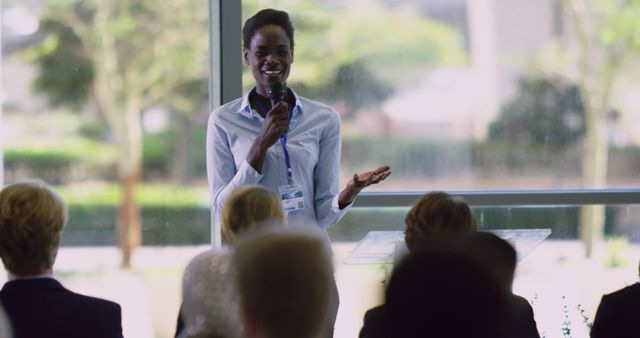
{"type": "Point", "coordinates": [500, 258]}
{"type": "Point", "coordinates": [31, 219]}
{"type": "Point", "coordinates": [439, 293]}
{"type": "Point", "coordinates": [618, 313]}
{"type": "Point", "coordinates": [437, 220]}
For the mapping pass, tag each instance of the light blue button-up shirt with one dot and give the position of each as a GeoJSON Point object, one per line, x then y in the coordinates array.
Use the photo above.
{"type": "Point", "coordinates": [314, 147]}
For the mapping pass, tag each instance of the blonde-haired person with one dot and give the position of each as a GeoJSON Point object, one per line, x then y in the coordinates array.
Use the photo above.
{"type": "Point", "coordinates": [439, 219]}
{"type": "Point", "coordinates": [284, 280]}
{"type": "Point", "coordinates": [31, 220]}
{"type": "Point", "coordinates": [247, 208]}
{"type": "Point", "coordinates": [209, 298]}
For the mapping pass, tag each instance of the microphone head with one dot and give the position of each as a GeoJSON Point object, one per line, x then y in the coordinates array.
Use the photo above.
{"type": "Point", "coordinates": [276, 92]}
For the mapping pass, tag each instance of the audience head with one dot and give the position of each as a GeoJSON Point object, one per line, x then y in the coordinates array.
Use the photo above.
{"type": "Point", "coordinates": [264, 18]}
{"type": "Point", "coordinates": [283, 279]}
{"type": "Point", "coordinates": [209, 298]}
{"type": "Point", "coordinates": [442, 294]}
{"type": "Point", "coordinates": [31, 219]}
{"type": "Point", "coordinates": [438, 218]}
{"type": "Point", "coordinates": [247, 208]}
{"type": "Point", "coordinates": [495, 254]}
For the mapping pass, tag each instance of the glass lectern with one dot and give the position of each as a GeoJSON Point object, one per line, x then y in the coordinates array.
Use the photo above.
{"type": "Point", "coordinates": [379, 247]}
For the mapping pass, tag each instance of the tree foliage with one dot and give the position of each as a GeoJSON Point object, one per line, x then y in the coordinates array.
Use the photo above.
{"type": "Point", "coordinates": [547, 113]}
{"type": "Point", "coordinates": [360, 53]}
{"type": "Point", "coordinates": [66, 71]}
{"type": "Point", "coordinates": [133, 55]}
{"type": "Point", "coordinates": [158, 48]}
{"type": "Point", "coordinates": [608, 37]}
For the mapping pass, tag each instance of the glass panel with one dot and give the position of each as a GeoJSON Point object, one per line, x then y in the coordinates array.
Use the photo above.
{"type": "Point", "coordinates": [107, 102]}
{"type": "Point", "coordinates": [463, 95]}
{"type": "Point", "coordinates": [563, 285]}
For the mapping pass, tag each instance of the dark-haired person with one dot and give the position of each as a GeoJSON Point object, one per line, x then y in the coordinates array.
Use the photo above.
{"type": "Point", "coordinates": [500, 257]}
{"type": "Point", "coordinates": [31, 219]}
{"type": "Point", "coordinates": [440, 293]}
{"type": "Point", "coordinates": [292, 147]}
{"type": "Point", "coordinates": [618, 313]}
{"type": "Point", "coordinates": [437, 220]}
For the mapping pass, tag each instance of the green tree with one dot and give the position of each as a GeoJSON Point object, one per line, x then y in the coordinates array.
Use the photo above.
{"type": "Point", "coordinates": [608, 41]}
{"type": "Point", "coordinates": [122, 57]}
{"type": "Point", "coordinates": [547, 113]}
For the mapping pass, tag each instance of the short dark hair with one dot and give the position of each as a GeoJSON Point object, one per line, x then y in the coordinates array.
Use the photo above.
{"type": "Point", "coordinates": [498, 255]}
{"type": "Point", "coordinates": [442, 293]}
{"type": "Point", "coordinates": [263, 18]}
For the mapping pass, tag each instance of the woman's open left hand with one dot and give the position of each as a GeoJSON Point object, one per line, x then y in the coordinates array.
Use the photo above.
{"type": "Point", "coordinates": [361, 181]}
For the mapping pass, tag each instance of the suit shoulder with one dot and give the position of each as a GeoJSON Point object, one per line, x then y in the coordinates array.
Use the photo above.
{"type": "Point", "coordinates": [373, 323]}
{"type": "Point", "coordinates": [374, 314]}
{"type": "Point", "coordinates": [629, 291]}
{"type": "Point", "coordinates": [627, 297]}
{"type": "Point", "coordinates": [520, 301]}
{"type": "Point", "coordinates": [96, 303]}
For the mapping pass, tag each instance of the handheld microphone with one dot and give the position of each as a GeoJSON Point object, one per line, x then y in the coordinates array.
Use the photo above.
{"type": "Point", "coordinates": [276, 93]}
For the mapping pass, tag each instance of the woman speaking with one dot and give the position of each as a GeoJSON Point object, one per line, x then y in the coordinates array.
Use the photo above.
{"type": "Point", "coordinates": [278, 139]}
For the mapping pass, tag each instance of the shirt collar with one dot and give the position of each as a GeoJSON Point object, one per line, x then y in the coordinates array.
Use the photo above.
{"type": "Point", "coordinates": [245, 106]}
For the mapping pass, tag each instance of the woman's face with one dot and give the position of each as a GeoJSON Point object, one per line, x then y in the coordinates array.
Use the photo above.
{"type": "Point", "coordinates": [270, 56]}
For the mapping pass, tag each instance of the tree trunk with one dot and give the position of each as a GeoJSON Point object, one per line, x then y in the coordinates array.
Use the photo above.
{"type": "Point", "coordinates": [596, 82]}
{"type": "Point", "coordinates": [594, 167]}
{"type": "Point", "coordinates": [597, 104]}
{"type": "Point", "coordinates": [122, 108]}
{"type": "Point", "coordinates": [129, 169]}
{"type": "Point", "coordinates": [181, 160]}
{"type": "Point", "coordinates": [129, 222]}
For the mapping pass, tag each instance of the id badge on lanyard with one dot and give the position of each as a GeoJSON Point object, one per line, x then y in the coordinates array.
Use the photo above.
{"type": "Point", "coordinates": [291, 193]}
{"type": "Point", "coordinates": [292, 197]}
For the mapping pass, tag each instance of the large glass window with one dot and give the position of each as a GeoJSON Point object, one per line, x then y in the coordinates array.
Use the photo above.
{"type": "Point", "coordinates": [107, 101]}
{"type": "Point", "coordinates": [467, 95]}
{"type": "Point", "coordinates": [477, 97]}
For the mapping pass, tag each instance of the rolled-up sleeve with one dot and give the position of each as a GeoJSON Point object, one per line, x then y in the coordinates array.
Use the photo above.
{"type": "Point", "coordinates": [326, 176]}
{"type": "Point", "coordinates": [222, 174]}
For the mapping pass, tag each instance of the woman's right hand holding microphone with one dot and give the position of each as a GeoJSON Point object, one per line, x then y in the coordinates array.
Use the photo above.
{"type": "Point", "coordinates": [276, 124]}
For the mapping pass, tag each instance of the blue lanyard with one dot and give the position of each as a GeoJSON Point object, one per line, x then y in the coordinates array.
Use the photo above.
{"type": "Point", "coordinates": [283, 142]}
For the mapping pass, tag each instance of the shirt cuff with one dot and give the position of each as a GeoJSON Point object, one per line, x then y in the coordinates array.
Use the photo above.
{"type": "Point", "coordinates": [335, 206]}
